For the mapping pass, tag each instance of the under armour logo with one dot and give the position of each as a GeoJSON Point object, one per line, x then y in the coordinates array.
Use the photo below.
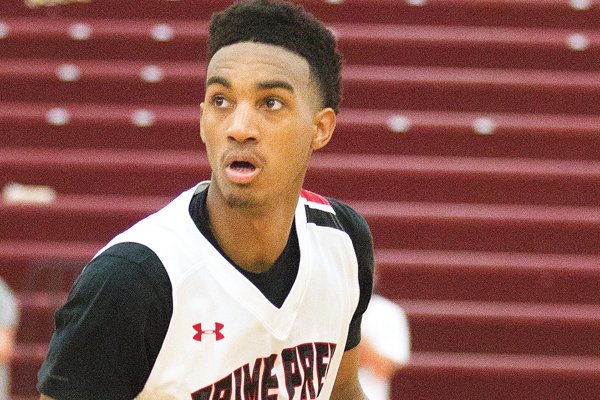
{"type": "Point", "coordinates": [216, 331]}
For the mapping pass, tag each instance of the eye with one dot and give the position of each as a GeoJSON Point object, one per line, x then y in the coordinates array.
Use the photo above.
{"type": "Point", "coordinates": [220, 102]}
{"type": "Point", "coordinates": [273, 104]}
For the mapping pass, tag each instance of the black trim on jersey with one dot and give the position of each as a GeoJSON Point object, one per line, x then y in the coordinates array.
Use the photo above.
{"type": "Point", "coordinates": [321, 218]}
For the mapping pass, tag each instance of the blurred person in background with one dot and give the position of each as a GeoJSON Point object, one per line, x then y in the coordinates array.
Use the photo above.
{"type": "Point", "coordinates": [9, 317]}
{"type": "Point", "coordinates": [385, 347]}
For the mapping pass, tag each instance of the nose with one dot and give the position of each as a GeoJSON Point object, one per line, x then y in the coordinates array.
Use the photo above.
{"type": "Point", "coordinates": [242, 127]}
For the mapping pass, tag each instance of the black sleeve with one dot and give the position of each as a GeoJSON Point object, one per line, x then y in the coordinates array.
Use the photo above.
{"type": "Point", "coordinates": [359, 232]}
{"type": "Point", "coordinates": [108, 334]}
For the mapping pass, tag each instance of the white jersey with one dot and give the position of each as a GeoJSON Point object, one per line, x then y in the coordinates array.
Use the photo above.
{"type": "Point", "coordinates": [225, 339]}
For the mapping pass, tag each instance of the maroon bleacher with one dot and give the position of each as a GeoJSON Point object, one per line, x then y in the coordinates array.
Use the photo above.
{"type": "Point", "coordinates": [469, 139]}
{"type": "Point", "coordinates": [396, 132]}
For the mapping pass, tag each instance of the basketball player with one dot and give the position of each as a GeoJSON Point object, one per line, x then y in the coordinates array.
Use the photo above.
{"type": "Point", "coordinates": [245, 286]}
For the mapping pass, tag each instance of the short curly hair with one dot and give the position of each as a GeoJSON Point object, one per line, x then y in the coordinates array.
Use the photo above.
{"type": "Point", "coordinates": [287, 25]}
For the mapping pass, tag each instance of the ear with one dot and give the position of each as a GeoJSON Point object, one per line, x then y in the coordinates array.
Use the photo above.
{"type": "Point", "coordinates": [201, 124]}
{"type": "Point", "coordinates": [324, 123]}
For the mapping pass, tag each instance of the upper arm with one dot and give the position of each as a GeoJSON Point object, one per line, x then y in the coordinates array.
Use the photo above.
{"type": "Point", "coordinates": [346, 384]}
{"type": "Point", "coordinates": [110, 330]}
{"type": "Point", "coordinates": [362, 241]}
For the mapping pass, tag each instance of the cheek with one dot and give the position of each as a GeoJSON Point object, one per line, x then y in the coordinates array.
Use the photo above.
{"type": "Point", "coordinates": [298, 144]}
{"type": "Point", "coordinates": [203, 127]}
{"type": "Point", "coordinates": [210, 141]}
{"type": "Point", "coordinates": [208, 127]}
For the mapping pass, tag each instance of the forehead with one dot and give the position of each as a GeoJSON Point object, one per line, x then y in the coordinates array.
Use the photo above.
{"type": "Point", "coordinates": [257, 62]}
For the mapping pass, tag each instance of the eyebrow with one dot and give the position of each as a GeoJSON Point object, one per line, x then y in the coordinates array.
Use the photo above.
{"type": "Point", "coordinates": [274, 84]}
{"type": "Point", "coordinates": [218, 80]}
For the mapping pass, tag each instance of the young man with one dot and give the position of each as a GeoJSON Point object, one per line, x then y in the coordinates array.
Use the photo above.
{"type": "Point", "coordinates": [247, 286]}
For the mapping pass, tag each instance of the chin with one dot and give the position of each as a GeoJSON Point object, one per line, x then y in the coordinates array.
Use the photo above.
{"type": "Point", "coordinates": [238, 201]}
{"type": "Point", "coordinates": [240, 197]}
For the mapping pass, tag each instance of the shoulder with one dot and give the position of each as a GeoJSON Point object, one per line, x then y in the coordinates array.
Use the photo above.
{"type": "Point", "coordinates": [330, 212]}
{"type": "Point", "coordinates": [355, 226]}
{"type": "Point", "coordinates": [127, 270]}
{"type": "Point", "coordinates": [351, 221]}
{"type": "Point", "coordinates": [333, 213]}
{"type": "Point", "coordinates": [127, 258]}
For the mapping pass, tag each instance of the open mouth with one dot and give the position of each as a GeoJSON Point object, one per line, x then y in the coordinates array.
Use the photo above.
{"type": "Point", "coordinates": [242, 166]}
{"type": "Point", "coordinates": [241, 171]}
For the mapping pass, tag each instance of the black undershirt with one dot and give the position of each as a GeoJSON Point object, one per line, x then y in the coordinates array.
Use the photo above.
{"type": "Point", "coordinates": [275, 283]}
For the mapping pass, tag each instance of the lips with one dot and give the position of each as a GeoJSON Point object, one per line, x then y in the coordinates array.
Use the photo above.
{"type": "Point", "coordinates": [242, 169]}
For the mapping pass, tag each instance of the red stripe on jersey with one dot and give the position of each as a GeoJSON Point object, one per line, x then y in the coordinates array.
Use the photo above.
{"type": "Point", "coordinates": [313, 197]}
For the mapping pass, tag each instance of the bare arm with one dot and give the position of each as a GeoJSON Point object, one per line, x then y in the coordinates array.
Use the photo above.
{"type": "Point", "coordinates": [346, 383]}
{"type": "Point", "coordinates": [381, 365]}
{"type": "Point", "coordinates": [7, 343]}
{"type": "Point", "coordinates": [44, 397]}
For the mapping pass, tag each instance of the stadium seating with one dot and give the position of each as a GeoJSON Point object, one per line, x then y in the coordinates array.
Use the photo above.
{"type": "Point", "coordinates": [469, 139]}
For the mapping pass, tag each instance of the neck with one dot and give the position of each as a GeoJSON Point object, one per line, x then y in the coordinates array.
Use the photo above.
{"type": "Point", "coordinates": [252, 238]}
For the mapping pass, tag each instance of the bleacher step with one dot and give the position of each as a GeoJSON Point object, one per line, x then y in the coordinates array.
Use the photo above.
{"type": "Point", "coordinates": [168, 127]}
{"type": "Point", "coordinates": [548, 13]}
{"type": "Point", "coordinates": [376, 43]}
{"type": "Point", "coordinates": [348, 176]}
{"type": "Point", "coordinates": [416, 88]}
{"type": "Point", "coordinates": [409, 225]}
{"type": "Point", "coordinates": [468, 376]}
{"type": "Point", "coordinates": [502, 327]}
{"type": "Point", "coordinates": [488, 277]}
